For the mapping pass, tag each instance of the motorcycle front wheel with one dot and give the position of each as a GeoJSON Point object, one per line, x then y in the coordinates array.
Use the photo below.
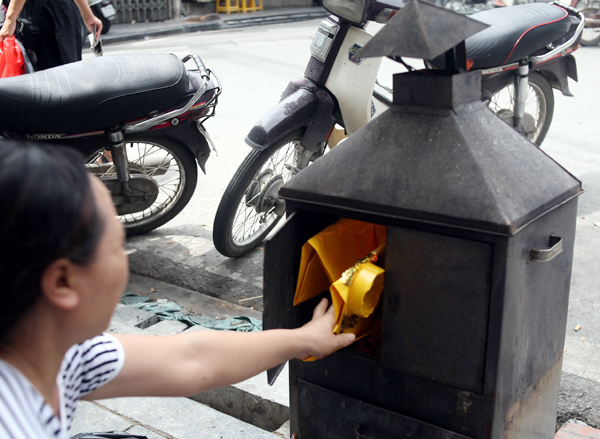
{"type": "Point", "coordinates": [250, 207]}
{"type": "Point", "coordinates": [539, 107]}
{"type": "Point", "coordinates": [105, 25]}
{"type": "Point", "coordinates": [590, 36]}
{"type": "Point", "coordinates": [169, 164]}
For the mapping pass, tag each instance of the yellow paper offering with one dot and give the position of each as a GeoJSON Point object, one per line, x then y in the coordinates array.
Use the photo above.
{"type": "Point", "coordinates": [356, 294]}
{"type": "Point", "coordinates": [342, 258]}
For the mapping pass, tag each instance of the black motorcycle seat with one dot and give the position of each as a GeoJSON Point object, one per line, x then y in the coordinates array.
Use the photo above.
{"type": "Point", "coordinates": [91, 95]}
{"type": "Point", "coordinates": [515, 32]}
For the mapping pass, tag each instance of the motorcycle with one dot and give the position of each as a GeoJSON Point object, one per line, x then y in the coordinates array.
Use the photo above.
{"type": "Point", "coordinates": [137, 120]}
{"type": "Point", "coordinates": [105, 11]}
{"type": "Point", "coordinates": [524, 53]}
{"type": "Point", "coordinates": [469, 7]}
{"type": "Point", "coordinates": [591, 10]}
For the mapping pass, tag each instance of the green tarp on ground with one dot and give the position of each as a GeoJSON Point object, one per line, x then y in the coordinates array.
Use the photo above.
{"type": "Point", "coordinates": [171, 311]}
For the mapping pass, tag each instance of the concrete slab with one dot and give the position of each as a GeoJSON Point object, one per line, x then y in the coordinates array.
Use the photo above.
{"type": "Point", "coordinates": [579, 398]}
{"type": "Point", "coordinates": [123, 328]}
{"type": "Point", "coordinates": [183, 418]}
{"type": "Point", "coordinates": [581, 356]}
{"type": "Point", "coordinates": [284, 430]}
{"type": "Point", "coordinates": [89, 418]}
{"type": "Point", "coordinates": [133, 317]}
{"type": "Point", "coordinates": [193, 301]}
{"type": "Point", "coordinates": [145, 432]}
{"type": "Point", "coordinates": [166, 327]}
{"type": "Point", "coordinates": [253, 401]}
{"type": "Point", "coordinates": [192, 262]}
{"type": "Point", "coordinates": [278, 393]}
{"type": "Point", "coordinates": [197, 328]}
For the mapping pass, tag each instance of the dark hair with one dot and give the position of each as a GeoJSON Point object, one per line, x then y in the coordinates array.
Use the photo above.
{"type": "Point", "coordinates": [47, 212]}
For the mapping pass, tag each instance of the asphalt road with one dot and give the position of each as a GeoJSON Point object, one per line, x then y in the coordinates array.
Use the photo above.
{"type": "Point", "coordinates": [255, 64]}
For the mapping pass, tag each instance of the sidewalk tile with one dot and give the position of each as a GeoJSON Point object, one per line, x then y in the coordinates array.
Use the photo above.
{"type": "Point", "coordinates": [183, 418]}
{"type": "Point", "coordinates": [90, 418]}
{"type": "Point", "coordinates": [141, 431]}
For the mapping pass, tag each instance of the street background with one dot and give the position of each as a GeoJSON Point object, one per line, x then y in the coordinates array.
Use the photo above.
{"type": "Point", "coordinates": [254, 65]}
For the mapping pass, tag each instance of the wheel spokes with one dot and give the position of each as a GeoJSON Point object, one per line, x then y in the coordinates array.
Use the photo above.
{"type": "Point", "coordinates": [252, 217]}
{"type": "Point", "coordinates": [155, 162]}
{"type": "Point", "coordinates": [502, 103]}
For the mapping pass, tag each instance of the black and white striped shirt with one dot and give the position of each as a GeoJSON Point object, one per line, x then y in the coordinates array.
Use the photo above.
{"type": "Point", "coordinates": [24, 414]}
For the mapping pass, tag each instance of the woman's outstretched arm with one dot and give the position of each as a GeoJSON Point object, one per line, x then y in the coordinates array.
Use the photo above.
{"type": "Point", "coordinates": [192, 362]}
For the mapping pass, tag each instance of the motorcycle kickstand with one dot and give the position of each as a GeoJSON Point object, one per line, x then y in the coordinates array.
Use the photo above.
{"type": "Point", "coordinates": [521, 86]}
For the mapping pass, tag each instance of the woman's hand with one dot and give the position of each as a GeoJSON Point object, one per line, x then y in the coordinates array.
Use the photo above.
{"type": "Point", "coordinates": [92, 20]}
{"type": "Point", "coordinates": [320, 339]}
{"type": "Point", "coordinates": [89, 19]}
{"type": "Point", "coordinates": [8, 29]}
{"type": "Point", "coordinates": [10, 19]}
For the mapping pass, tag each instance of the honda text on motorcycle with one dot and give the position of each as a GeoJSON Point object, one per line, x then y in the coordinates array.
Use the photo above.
{"type": "Point", "coordinates": [522, 56]}
{"type": "Point", "coordinates": [137, 119]}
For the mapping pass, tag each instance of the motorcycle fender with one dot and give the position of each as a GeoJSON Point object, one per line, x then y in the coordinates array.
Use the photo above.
{"type": "Point", "coordinates": [190, 136]}
{"type": "Point", "coordinates": [295, 111]}
{"type": "Point", "coordinates": [558, 71]}
{"type": "Point", "coordinates": [187, 135]}
{"type": "Point", "coordinates": [296, 84]}
{"type": "Point", "coordinates": [321, 125]}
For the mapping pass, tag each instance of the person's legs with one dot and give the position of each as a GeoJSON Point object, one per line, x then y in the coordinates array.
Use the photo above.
{"type": "Point", "coordinates": [61, 36]}
{"type": "Point", "coordinates": [69, 30]}
{"type": "Point", "coordinates": [46, 48]}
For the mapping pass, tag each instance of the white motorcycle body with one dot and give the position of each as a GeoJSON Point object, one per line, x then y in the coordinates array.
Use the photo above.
{"type": "Point", "coordinates": [352, 80]}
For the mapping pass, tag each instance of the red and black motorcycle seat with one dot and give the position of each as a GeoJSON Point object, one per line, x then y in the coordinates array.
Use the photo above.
{"type": "Point", "coordinates": [515, 33]}
{"type": "Point", "coordinates": [91, 95]}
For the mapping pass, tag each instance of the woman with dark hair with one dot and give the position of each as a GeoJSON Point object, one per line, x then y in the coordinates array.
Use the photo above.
{"type": "Point", "coordinates": [63, 269]}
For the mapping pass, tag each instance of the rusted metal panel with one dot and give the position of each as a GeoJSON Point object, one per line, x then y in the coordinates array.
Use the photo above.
{"type": "Point", "coordinates": [436, 325]}
{"type": "Point", "coordinates": [326, 414]}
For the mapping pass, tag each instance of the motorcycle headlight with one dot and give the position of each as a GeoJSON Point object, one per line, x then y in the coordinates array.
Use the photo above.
{"type": "Point", "coordinates": [355, 11]}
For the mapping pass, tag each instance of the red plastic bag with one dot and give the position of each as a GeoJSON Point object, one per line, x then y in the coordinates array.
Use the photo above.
{"type": "Point", "coordinates": [11, 58]}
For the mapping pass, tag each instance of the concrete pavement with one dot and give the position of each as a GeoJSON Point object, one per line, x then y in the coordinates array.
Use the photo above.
{"type": "Point", "coordinates": [210, 21]}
